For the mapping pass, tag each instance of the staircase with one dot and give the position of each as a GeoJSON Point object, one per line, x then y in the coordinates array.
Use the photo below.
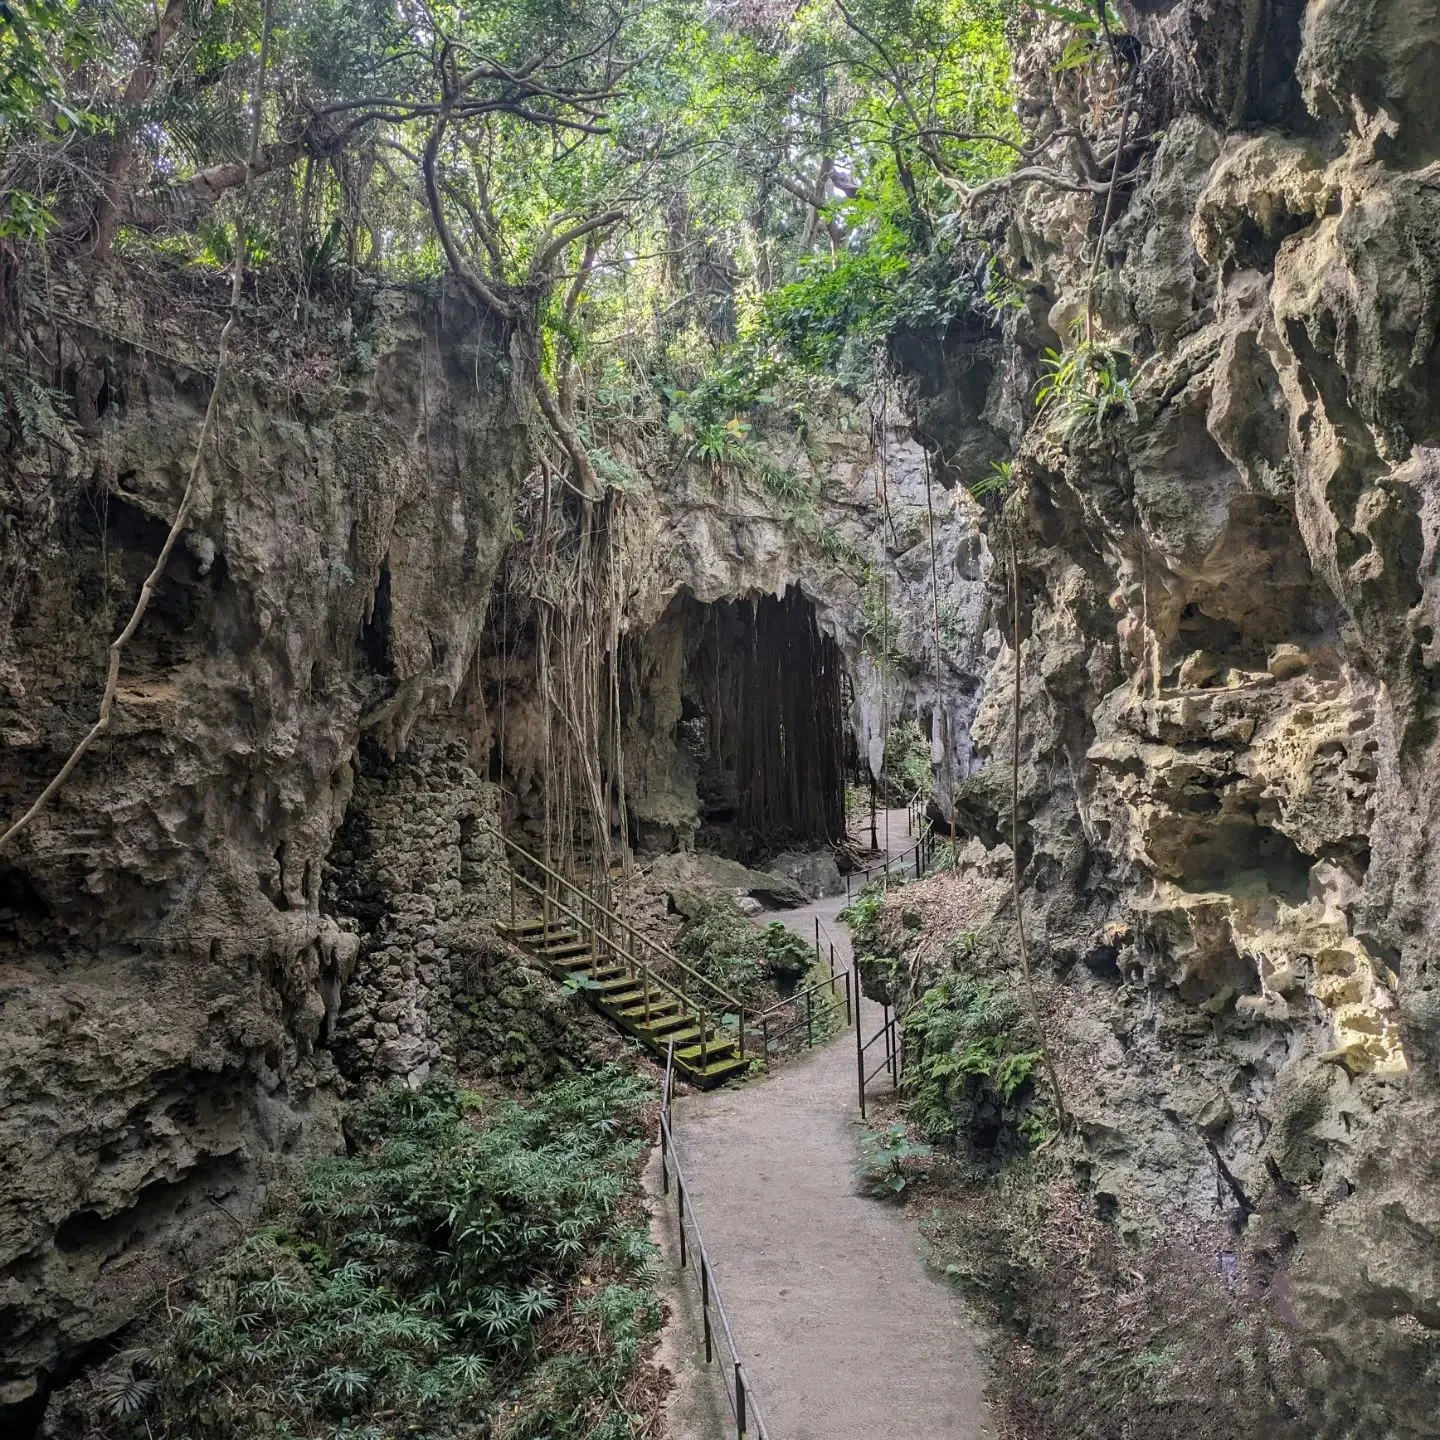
{"type": "Point", "coordinates": [589, 948]}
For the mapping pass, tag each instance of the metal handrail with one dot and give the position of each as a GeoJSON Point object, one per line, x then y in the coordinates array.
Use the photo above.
{"type": "Point", "coordinates": [740, 1395]}
{"type": "Point", "coordinates": [667, 956]}
{"type": "Point", "coordinates": [925, 839]}
{"type": "Point", "coordinates": [828, 983]}
{"type": "Point", "coordinates": [647, 974]}
{"type": "Point", "coordinates": [889, 1031]}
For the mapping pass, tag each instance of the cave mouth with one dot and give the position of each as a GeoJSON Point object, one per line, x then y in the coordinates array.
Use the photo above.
{"type": "Point", "coordinates": [762, 715]}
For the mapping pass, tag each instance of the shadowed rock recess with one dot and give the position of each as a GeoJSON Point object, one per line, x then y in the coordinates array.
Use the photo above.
{"type": "Point", "coordinates": [275, 883]}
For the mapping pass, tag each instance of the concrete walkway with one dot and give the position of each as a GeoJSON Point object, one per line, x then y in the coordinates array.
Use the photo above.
{"type": "Point", "coordinates": [843, 1332]}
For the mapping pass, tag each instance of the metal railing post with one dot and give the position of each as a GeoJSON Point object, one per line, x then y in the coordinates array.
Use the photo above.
{"type": "Point", "coordinates": [846, 973]}
{"type": "Point", "coordinates": [859, 1049]}
{"type": "Point", "coordinates": [705, 1306]}
{"type": "Point", "coordinates": [809, 1019]}
{"type": "Point", "coordinates": [680, 1213]}
{"type": "Point", "coordinates": [817, 939]}
{"type": "Point", "coordinates": [739, 1402]}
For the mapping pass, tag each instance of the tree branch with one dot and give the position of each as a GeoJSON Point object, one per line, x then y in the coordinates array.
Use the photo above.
{"type": "Point", "coordinates": [570, 441]}
{"type": "Point", "coordinates": [466, 273]}
{"type": "Point", "coordinates": [546, 257]}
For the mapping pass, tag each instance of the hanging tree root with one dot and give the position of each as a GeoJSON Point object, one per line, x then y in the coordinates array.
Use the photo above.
{"type": "Point", "coordinates": [207, 425]}
{"type": "Point", "coordinates": [1048, 1063]}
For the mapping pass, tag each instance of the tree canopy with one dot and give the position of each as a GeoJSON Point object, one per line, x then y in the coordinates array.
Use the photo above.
{"type": "Point", "coordinates": [685, 195]}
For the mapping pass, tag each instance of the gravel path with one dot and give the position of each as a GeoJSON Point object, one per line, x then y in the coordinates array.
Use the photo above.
{"type": "Point", "coordinates": [845, 1334]}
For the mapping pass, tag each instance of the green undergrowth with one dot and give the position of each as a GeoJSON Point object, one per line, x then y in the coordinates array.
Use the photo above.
{"type": "Point", "coordinates": [970, 1067]}
{"type": "Point", "coordinates": [477, 1268]}
{"type": "Point", "coordinates": [1100, 1338]}
{"type": "Point", "coordinates": [750, 962]}
{"type": "Point", "coordinates": [908, 769]}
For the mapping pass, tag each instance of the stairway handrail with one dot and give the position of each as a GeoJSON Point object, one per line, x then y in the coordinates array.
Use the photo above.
{"type": "Point", "coordinates": [668, 956]}
{"type": "Point", "coordinates": [686, 1001]}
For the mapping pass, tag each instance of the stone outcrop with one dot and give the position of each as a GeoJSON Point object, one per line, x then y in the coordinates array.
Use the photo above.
{"type": "Point", "coordinates": [169, 975]}
{"type": "Point", "coordinates": [1227, 765]}
{"type": "Point", "coordinates": [859, 550]}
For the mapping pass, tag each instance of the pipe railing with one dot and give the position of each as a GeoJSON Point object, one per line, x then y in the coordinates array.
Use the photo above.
{"type": "Point", "coordinates": [923, 851]}
{"type": "Point", "coordinates": [767, 1026]}
{"type": "Point", "coordinates": [638, 970]}
{"type": "Point", "coordinates": [739, 1389]}
{"type": "Point", "coordinates": [605, 926]}
{"type": "Point", "coordinates": [889, 1062]}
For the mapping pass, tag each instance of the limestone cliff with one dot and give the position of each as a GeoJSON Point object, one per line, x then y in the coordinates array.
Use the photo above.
{"type": "Point", "coordinates": [169, 975]}
{"type": "Point", "coordinates": [1228, 744]}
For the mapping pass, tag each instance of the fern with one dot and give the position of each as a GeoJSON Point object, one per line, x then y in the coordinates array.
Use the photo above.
{"type": "Point", "coordinates": [962, 1056]}
{"type": "Point", "coordinates": [417, 1277]}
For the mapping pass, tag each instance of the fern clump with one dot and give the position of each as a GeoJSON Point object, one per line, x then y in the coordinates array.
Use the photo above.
{"type": "Point", "coordinates": [968, 1067]}
{"type": "Point", "coordinates": [476, 1268]}
{"type": "Point", "coordinates": [730, 952]}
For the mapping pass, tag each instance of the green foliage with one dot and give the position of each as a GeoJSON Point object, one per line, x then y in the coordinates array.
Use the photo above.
{"type": "Point", "coordinates": [412, 1278]}
{"type": "Point", "coordinates": [1087, 388]}
{"type": "Point", "coordinates": [725, 948]}
{"type": "Point", "coordinates": [722, 944]}
{"type": "Point", "coordinates": [886, 1161]}
{"type": "Point", "coordinates": [31, 412]}
{"type": "Point", "coordinates": [787, 957]}
{"type": "Point", "coordinates": [1088, 43]}
{"type": "Point", "coordinates": [908, 770]}
{"type": "Point", "coordinates": [997, 482]}
{"type": "Point", "coordinates": [877, 626]}
{"type": "Point", "coordinates": [862, 915]}
{"type": "Point", "coordinates": [963, 1057]}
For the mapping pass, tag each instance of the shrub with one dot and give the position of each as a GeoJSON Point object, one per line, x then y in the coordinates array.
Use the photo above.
{"type": "Point", "coordinates": [414, 1279]}
{"type": "Point", "coordinates": [885, 1161]}
{"type": "Point", "coordinates": [787, 957]}
{"type": "Point", "coordinates": [725, 948]}
{"type": "Point", "coordinates": [966, 1070]}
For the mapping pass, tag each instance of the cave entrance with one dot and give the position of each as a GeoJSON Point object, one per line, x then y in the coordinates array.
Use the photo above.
{"type": "Point", "coordinates": [762, 715]}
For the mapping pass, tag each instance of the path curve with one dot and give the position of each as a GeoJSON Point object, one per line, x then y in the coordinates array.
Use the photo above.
{"type": "Point", "coordinates": [845, 1333]}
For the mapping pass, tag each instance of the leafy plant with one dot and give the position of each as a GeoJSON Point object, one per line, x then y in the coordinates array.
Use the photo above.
{"type": "Point", "coordinates": [886, 1160]}
{"type": "Point", "coordinates": [998, 482]}
{"type": "Point", "coordinates": [965, 1067]}
{"type": "Point", "coordinates": [1087, 387]}
{"type": "Point", "coordinates": [416, 1278]}
{"type": "Point", "coordinates": [725, 948]}
{"type": "Point", "coordinates": [787, 957]}
{"type": "Point", "coordinates": [1093, 27]}
{"type": "Point", "coordinates": [862, 915]}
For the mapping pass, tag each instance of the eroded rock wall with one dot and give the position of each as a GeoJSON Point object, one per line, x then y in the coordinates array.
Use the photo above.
{"type": "Point", "coordinates": [857, 547]}
{"type": "Point", "coordinates": [169, 976]}
{"type": "Point", "coordinates": [1228, 746]}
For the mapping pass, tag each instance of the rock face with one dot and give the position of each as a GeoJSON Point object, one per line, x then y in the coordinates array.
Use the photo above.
{"type": "Point", "coordinates": [168, 972]}
{"type": "Point", "coordinates": [1228, 754]}
{"type": "Point", "coordinates": [860, 554]}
